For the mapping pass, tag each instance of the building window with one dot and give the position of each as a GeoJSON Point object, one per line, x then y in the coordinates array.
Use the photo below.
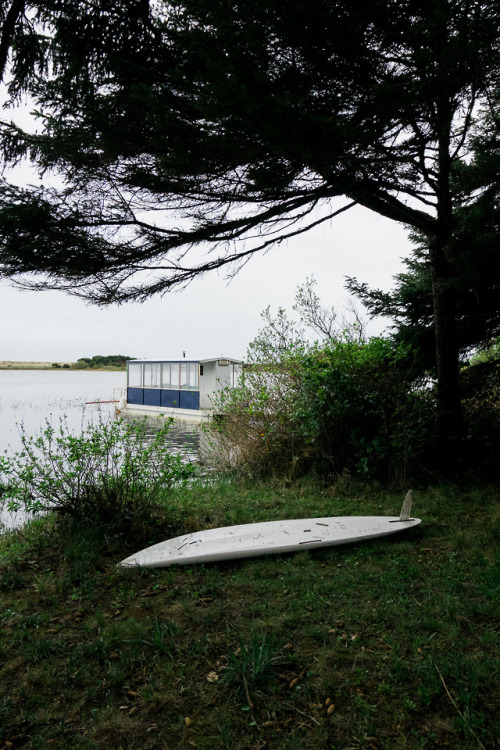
{"type": "Point", "coordinates": [165, 375]}
{"type": "Point", "coordinates": [193, 377]}
{"type": "Point", "coordinates": [152, 375]}
{"type": "Point", "coordinates": [184, 377]}
{"type": "Point", "coordinates": [135, 374]}
{"type": "Point", "coordinates": [174, 376]}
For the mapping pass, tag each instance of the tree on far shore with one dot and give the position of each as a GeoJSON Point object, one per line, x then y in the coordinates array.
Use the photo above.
{"type": "Point", "coordinates": [99, 360]}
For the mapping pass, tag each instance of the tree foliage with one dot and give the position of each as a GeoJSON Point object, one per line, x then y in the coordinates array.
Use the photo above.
{"type": "Point", "coordinates": [476, 284]}
{"type": "Point", "coordinates": [473, 248]}
{"type": "Point", "coordinates": [189, 123]}
{"type": "Point", "coordinates": [192, 134]}
{"type": "Point", "coordinates": [100, 360]}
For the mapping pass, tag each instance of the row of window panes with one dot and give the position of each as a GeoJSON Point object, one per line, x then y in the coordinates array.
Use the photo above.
{"type": "Point", "coordinates": [164, 375]}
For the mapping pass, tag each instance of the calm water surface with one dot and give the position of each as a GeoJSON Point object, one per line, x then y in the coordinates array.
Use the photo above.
{"type": "Point", "coordinates": [30, 398]}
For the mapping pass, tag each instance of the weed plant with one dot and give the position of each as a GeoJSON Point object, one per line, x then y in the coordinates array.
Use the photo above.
{"type": "Point", "coordinates": [112, 474]}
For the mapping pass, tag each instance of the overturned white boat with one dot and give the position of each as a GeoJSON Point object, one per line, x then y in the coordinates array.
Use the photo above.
{"type": "Point", "coordinates": [269, 538]}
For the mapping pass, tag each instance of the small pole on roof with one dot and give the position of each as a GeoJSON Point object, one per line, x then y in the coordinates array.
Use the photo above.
{"type": "Point", "coordinates": [184, 355]}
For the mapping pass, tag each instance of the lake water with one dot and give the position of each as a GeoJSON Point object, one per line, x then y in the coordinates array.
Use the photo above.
{"type": "Point", "coordinates": [30, 398]}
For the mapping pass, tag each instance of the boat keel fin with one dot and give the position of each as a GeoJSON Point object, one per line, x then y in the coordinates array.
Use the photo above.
{"type": "Point", "coordinates": [406, 509]}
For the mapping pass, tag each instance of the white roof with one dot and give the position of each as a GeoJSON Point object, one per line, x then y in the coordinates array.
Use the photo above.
{"type": "Point", "coordinates": [187, 361]}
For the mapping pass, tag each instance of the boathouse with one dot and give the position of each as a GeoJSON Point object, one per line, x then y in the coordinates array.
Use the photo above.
{"type": "Point", "coordinates": [182, 388]}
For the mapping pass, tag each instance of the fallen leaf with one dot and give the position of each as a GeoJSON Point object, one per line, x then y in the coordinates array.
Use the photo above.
{"type": "Point", "coordinates": [212, 676]}
{"type": "Point", "coordinates": [293, 683]}
{"type": "Point", "coordinates": [330, 709]}
{"type": "Point", "coordinates": [187, 721]}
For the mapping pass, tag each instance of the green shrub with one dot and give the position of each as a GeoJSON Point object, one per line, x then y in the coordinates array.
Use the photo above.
{"type": "Point", "coordinates": [480, 386]}
{"type": "Point", "coordinates": [344, 406]}
{"type": "Point", "coordinates": [357, 410]}
{"type": "Point", "coordinates": [111, 473]}
{"type": "Point", "coordinates": [257, 434]}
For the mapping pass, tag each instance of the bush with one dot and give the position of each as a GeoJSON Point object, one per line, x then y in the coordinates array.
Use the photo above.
{"type": "Point", "coordinates": [480, 385]}
{"type": "Point", "coordinates": [358, 412]}
{"type": "Point", "coordinates": [345, 406]}
{"type": "Point", "coordinates": [112, 473]}
{"type": "Point", "coordinates": [256, 434]}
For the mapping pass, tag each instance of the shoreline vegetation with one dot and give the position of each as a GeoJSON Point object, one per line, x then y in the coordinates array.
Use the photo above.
{"type": "Point", "coordinates": [99, 363]}
{"type": "Point", "coordinates": [28, 365]}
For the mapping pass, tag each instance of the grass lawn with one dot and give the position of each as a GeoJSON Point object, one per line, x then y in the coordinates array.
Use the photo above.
{"type": "Point", "coordinates": [386, 644]}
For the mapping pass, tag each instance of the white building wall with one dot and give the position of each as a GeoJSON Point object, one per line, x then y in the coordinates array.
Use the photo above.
{"type": "Point", "coordinates": [215, 378]}
{"type": "Point", "coordinates": [207, 384]}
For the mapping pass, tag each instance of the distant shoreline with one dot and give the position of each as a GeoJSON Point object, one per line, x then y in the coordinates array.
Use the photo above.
{"type": "Point", "coordinates": [26, 365]}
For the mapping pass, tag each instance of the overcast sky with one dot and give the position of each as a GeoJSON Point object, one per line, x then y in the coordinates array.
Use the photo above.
{"type": "Point", "coordinates": [211, 317]}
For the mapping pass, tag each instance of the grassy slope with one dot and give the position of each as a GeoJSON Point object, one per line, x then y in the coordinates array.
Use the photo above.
{"type": "Point", "coordinates": [387, 644]}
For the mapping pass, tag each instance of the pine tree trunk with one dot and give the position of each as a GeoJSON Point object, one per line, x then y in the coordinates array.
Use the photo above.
{"type": "Point", "coordinates": [448, 394]}
{"type": "Point", "coordinates": [443, 293]}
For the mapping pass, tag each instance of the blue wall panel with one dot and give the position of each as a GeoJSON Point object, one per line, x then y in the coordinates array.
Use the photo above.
{"type": "Point", "coordinates": [163, 397]}
{"type": "Point", "coordinates": [152, 397]}
{"type": "Point", "coordinates": [135, 395]}
{"type": "Point", "coordinates": [190, 400]}
{"type": "Point", "coordinates": [170, 398]}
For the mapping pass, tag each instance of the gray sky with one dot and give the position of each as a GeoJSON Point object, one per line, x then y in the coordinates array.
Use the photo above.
{"type": "Point", "coordinates": [210, 317]}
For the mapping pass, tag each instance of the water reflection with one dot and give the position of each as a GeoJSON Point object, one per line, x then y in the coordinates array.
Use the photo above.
{"type": "Point", "coordinates": [188, 439]}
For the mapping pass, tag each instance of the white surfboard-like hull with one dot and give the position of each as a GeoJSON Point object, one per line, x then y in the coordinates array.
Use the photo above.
{"type": "Point", "coordinates": [271, 537]}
